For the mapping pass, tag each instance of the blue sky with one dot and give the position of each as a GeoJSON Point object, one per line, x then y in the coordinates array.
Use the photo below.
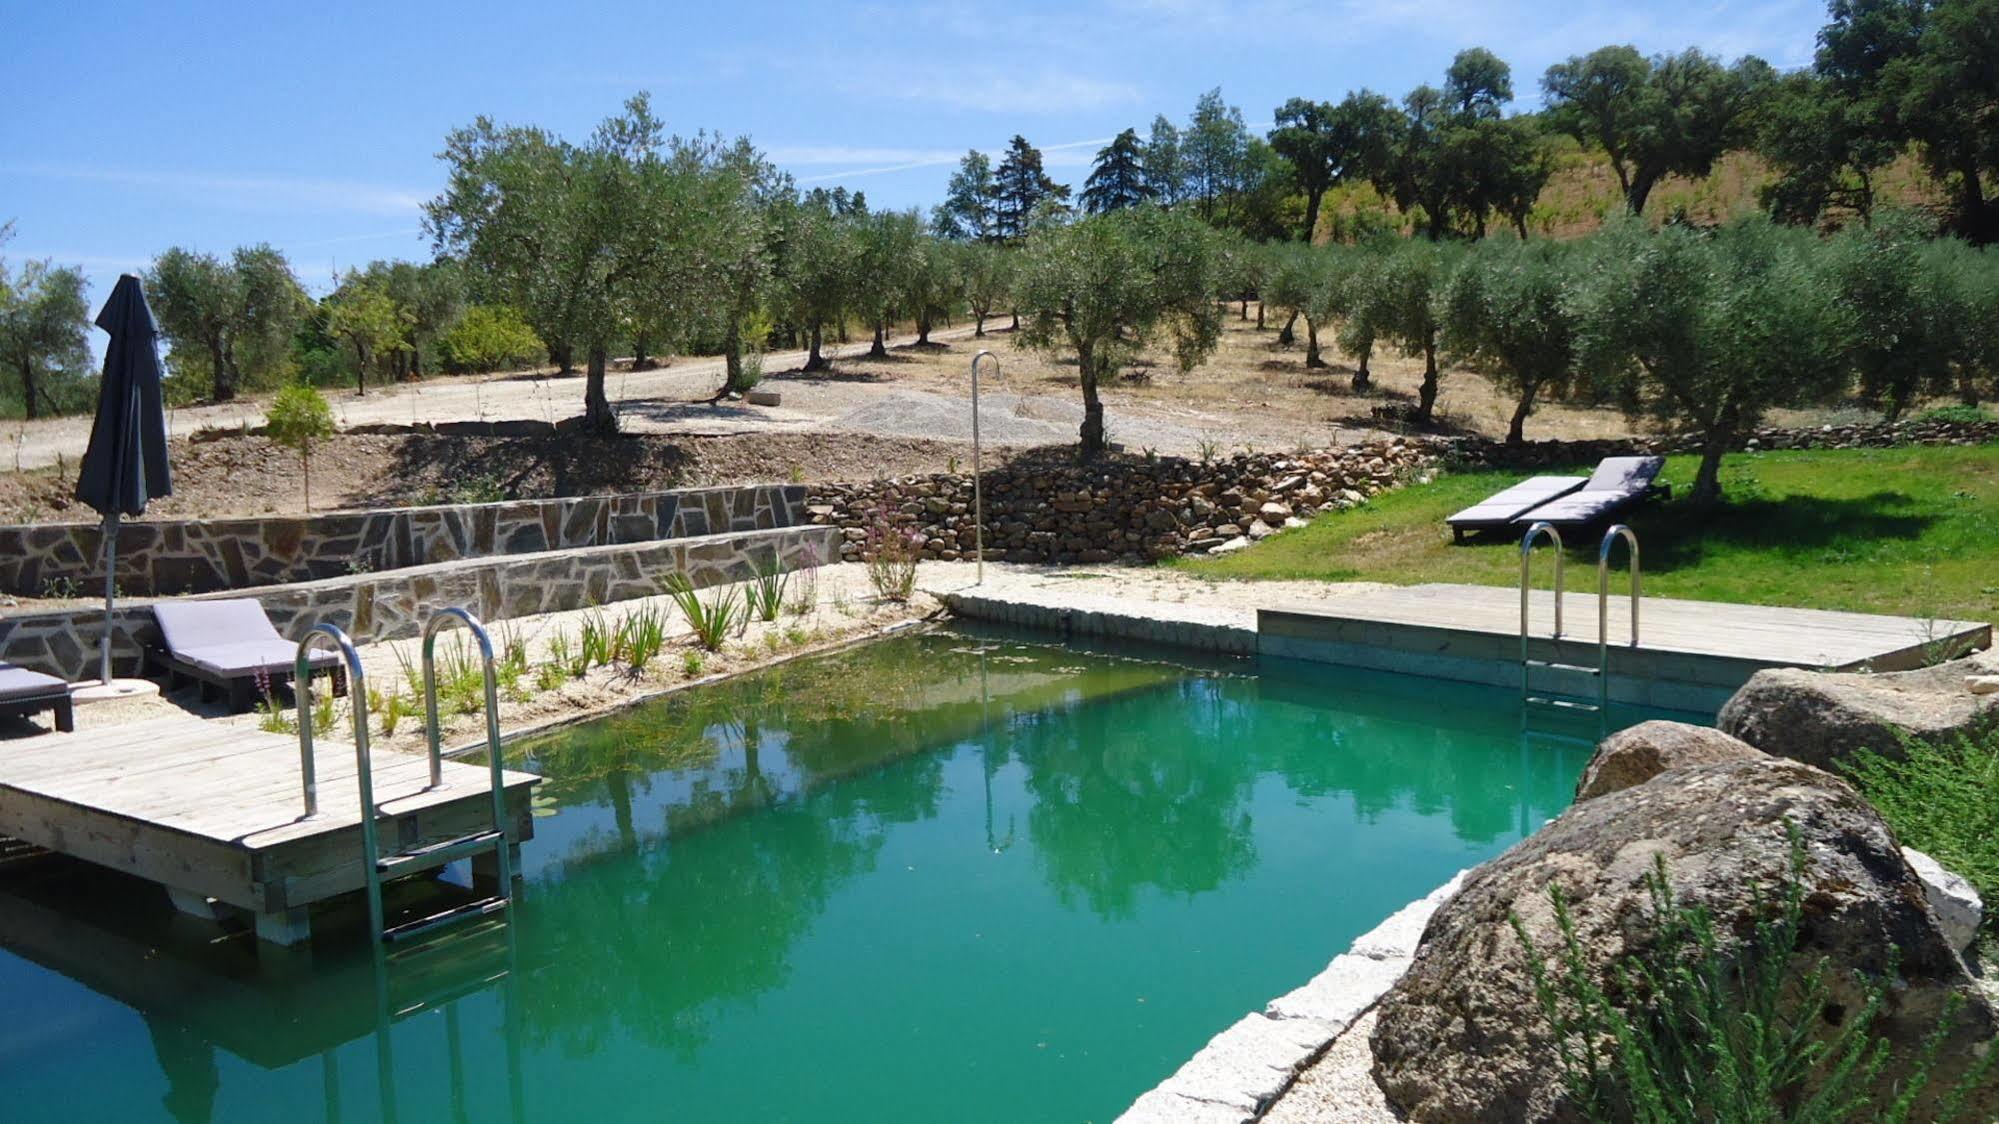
{"type": "Point", "coordinates": [126, 128]}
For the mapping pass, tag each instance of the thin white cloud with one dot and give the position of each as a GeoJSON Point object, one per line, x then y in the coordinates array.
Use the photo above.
{"type": "Point", "coordinates": [275, 193]}
{"type": "Point", "coordinates": [988, 89]}
{"type": "Point", "coordinates": [811, 155]}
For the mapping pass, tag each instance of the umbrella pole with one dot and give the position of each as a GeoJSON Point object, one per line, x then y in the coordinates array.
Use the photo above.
{"type": "Point", "coordinates": [110, 592]}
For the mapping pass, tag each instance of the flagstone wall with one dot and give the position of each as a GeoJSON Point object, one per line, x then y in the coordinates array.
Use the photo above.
{"type": "Point", "coordinates": [171, 558]}
{"type": "Point", "coordinates": [394, 603]}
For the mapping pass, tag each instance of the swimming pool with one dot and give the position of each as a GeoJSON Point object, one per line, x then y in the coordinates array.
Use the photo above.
{"type": "Point", "coordinates": [958, 875]}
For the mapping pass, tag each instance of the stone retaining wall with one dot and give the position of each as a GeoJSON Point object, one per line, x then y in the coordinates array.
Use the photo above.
{"type": "Point", "coordinates": [1486, 452]}
{"type": "Point", "coordinates": [1117, 509]}
{"type": "Point", "coordinates": [169, 558]}
{"type": "Point", "coordinates": [385, 606]}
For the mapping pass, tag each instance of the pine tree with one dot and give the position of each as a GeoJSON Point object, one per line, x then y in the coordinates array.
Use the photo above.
{"type": "Point", "coordinates": [1019, 186]}
{"type": "Point", "coordinates": [1117, 180]}
{"type": "Point", "coordinates": [968, 210]}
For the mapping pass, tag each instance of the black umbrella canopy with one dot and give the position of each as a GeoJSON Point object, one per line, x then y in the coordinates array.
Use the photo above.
{"type": "Point", "coordinates": [126, 463]}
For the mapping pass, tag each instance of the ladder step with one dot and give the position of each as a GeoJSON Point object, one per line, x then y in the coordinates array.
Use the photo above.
{"type": "Point", "coordinates": [438, 853]}
{"type": "Point", "coordinates": [484, 907]}
{"type": "Point", "coordinates": [1560, 703]}
{"type": "Point", "coordinates": [1555, 665]}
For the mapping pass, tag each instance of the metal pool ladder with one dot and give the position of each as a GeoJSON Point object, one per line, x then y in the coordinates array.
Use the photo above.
{"type": "Point", "coordinates": [376, 867]}
{"type": "Point", "coordinates": [1601, 672]}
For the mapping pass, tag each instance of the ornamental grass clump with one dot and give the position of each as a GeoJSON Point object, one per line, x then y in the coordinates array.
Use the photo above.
{"type": "Point", "coordinates": [891, 553]}
{"type": "Point", "coordinates": [767, 587]}
{"type": "Point", "coordinates": [712, 620]}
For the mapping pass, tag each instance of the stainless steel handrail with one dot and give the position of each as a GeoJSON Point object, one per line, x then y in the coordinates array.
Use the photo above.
{"type": "Point", "coordinates": [434, 730]}
{"type": "Point", "coordinates": [1610, 538]}
{"type": "Point", "coordinates": [1526, 558]}
{"type": "Point", "coordinates": [357, 688]}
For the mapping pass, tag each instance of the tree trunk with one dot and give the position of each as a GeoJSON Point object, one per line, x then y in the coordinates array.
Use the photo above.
{"type": "Point", "coordinates": [732, 358]}
{"type": "Point", "coordinates": [1362, 377]}
{"type": "Point", "coordinates": [360, 370]}
{"type": "Point", "coordinates": [1516, 431]}
{"type": "Point", "coordinates": [1707, 479]}
{"type": "Point", "coordinates": [1967, 385]}
{"type": "Point", "coordinates": [1093, 407]}
{"type": "Point", "coordinates": [597, 415]}
{"type": "Point", "coordinates": [563, 356]}
{"type": "Point", "coordinates": [879, 349]}
{"type": "Point", "coordinates": [1312, 356]}
{"type": "Point", "coordinates": [1312, 199]}
{"type": "Point", "coordinates": [1640, 190]}
{"type": "Point", "coordinates": [416, 364]}
{"type": "Point", "coordinates": [980, 332]}
{"type": "Point", "coordinates": [815, 360]}
{"type": "Point", "coordinates": [218, 361]}
{"type": "Point", "coordinates": [640, 360]}
{"type": "Point", "coordinates": [1520, 224]}
{"type": "Point", "coordinates": [1244, 314]}
{"type": "Point", "coordinates": [1259, 314]}
{"type": "Point", "coordinates": [1016, 321]}
{"type": "Point", "coordinates": [1285, 336]}
{"type": "Point", "coordinates": [1426, 400]}
{"type": "Point", "coordinates": [923, 329]}
{"type": "Point", "coordinates": [28, 388]}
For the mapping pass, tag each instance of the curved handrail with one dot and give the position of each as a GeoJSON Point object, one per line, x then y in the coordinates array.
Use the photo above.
{"type": "Point", "coordinates": [978, 487]}
{"type": "Point", "coordinates": [1610, 537]}
{"type": "Point", "coordinates": [357, 689]}
{"type": "Point", "coordinates": [1526, 556]}
{"type": "Point", "coordinates": [432, 729]}
{"type": "Point", "coordinates": [434, 732]}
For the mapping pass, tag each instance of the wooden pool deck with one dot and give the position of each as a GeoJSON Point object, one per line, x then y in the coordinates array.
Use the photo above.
{"type": "Point", "coordinates": [214, 811]}
{"type": "Point", "coordinates": [1690, 655]}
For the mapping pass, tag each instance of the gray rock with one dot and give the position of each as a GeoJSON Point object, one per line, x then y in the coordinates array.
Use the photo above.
{"type": "Point", "coordinates": [1460, 1037]}
{"type": "Point", "coordinates": [1955, 901]}
{"type": "Point", "coordinates": [1822, 718]}
{"type": "Point", "coordinates": [1639, 753]}
{"type": "Point", "coordinates": [1231, 546]}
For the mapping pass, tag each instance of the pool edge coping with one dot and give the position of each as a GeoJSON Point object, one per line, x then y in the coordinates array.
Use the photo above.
{"type": "Point", "coordinates": [1246, 1069]}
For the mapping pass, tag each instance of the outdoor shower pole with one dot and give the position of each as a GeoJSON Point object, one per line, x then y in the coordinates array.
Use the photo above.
{"type": "Point", "coordinates": [978, 485]}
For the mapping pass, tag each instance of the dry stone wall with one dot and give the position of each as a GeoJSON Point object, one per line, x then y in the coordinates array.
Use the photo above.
{"type": "Point", "coordinates": [170, 558]}
{"type": "Point", "coordinates": [1488, 453]}
{"type": "Point", "coordinates": [385, 606]}
{"type": "Point", "coordinates": [1116, 509]}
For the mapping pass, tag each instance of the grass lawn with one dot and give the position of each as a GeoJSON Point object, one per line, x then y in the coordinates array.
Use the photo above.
{"type": "Point", "coordinates": [1912, 531]}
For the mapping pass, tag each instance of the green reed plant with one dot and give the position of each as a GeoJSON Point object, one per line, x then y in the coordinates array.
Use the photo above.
{"type": "Point", "coordinates": [765, 592]}
{"type": "Point", "coordinates": [596, 646]}
{"type": "Point", "coordinates": [692, 661]}
{"type": "Point", "coordinates": [713, 619]}
{"type": "Point", "coordinates": [644, 634]}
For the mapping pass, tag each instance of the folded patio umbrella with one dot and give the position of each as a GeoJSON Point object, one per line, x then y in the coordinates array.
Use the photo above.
{"type": "Point", "coordinates": [125, 466]}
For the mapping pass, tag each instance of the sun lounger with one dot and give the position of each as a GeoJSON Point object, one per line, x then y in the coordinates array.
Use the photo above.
{"type": "Point", "coordinates": [230, 644]}
{"type": "Point", "coordinates": [1498, 512]}
{"type": "Point", "coordinates": [1617, 483]}
{"type": "Point", "coordinates": [24, 692]}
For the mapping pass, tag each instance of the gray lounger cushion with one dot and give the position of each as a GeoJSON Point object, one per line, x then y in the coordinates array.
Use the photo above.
{"type": "Point", "coordinates": [1502, 508]}
{"type": "Point", "coordinates": [1617, 483]}
{"type": "Point", "coordinates": [230, 637]}
{"type": "Point", "coordinates": [17, 683]}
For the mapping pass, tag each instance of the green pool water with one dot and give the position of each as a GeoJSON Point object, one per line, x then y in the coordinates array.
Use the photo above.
{"type": "Point", "coordinates": [956, 876]}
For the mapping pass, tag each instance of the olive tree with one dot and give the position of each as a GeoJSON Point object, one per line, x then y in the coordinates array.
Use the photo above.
{"type": "Point", "coordinates": [1506, 311]}
{"type": "Point", "coordinates": [888, 244]}
{"type": "Point", "coordinates": [1397, 301]}
{"type": "Point", "coordinates": [234, 317]}
{"type": "Point", "coordinates": [1900, 297]}
{"type": "Point", "coordinates": [988, 271]}
{"type": "Point", "coordinates": [44, 329]}
{"type": "Point", "coordinates": [1107, 286]}
{"type": "Point", "coordinates": [1708, 330]}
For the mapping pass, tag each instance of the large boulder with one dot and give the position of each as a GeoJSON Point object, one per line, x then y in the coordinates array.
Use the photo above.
{"type": "Point", "coordinates": [1461, 1038]}
{"type": "Point", "coordinates": [1822, 718]}
{"type": "Point", "coordinates": [1638, 753]}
